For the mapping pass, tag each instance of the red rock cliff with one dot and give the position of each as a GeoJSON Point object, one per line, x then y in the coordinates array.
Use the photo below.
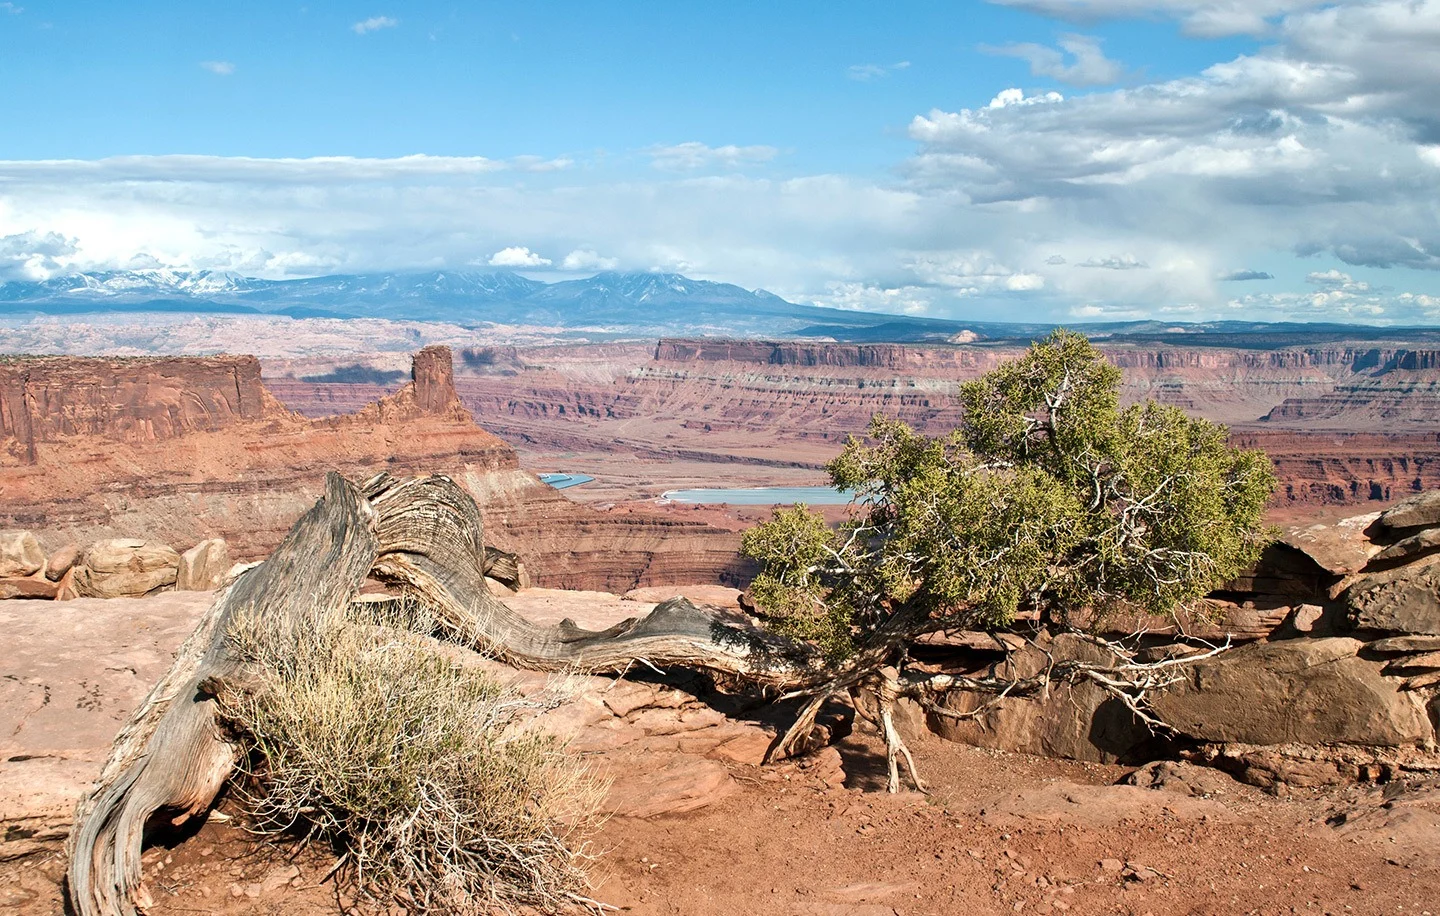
{"type": "Point", "coordinates": [184, 449]}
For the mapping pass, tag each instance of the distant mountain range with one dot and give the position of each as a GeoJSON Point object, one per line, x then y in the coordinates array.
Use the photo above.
{"type": "Point", "coordinates": [611, 303]}
{"type": "Point", "coordinates": [610, 300]}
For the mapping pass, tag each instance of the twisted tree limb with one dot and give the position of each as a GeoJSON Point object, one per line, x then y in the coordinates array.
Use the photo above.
{"type": "Point", "coordinates": [172, 758]}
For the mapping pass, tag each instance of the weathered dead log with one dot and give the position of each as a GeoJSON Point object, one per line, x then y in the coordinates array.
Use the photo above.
{"type": "Point", "coordinates": [424, 533]}
{"type": "Point", "coordinates": [429, 531]}
{"type": "Point", "coordinates": [171, 755]}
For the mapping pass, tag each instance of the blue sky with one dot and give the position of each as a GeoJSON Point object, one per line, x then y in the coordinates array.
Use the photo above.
{"type": "Point", "coordinates": [1065, 159]}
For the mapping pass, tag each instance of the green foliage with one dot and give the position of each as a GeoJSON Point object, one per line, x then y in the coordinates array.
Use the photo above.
{"type": "Point", "coordinates": [1049, 497]}
{"type": "Point", "coordinates": [363, 735]}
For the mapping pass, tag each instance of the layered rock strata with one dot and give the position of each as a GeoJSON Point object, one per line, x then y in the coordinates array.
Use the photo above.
{"type": "Point", "coordinates": [790, 404]}
{"type": "Point", "coordinates": [102, 448]}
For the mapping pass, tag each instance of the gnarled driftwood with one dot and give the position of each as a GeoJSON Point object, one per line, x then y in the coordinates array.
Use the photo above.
{"type": "Point", "coordinates": [425, 533]}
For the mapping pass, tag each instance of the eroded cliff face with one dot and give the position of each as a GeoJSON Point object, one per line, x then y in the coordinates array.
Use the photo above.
{"type": "Point", "coordinates": [181, 450]}
{"type": "Point", "coordinates": [46, 399]}
{"type": "Point", "coordinates": [1345, 424]}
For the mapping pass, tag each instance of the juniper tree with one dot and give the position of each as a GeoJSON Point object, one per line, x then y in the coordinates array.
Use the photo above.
{"type": "Point", "coordinates": [1048, 498]}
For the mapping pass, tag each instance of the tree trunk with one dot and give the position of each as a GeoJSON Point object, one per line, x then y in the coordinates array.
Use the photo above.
{"type": "Point", "coordinates": [422, 533]}
{"type": "Point", "coordinates": [171, 755]}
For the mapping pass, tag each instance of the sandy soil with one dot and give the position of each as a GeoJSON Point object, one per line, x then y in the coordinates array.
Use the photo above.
{"type": "Point", "coordinates": [1001, 833]}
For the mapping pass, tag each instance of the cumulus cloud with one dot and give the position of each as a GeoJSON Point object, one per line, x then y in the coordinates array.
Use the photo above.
{"type": "Point", "coordinates": [1087, 64]}
{"type": "Point", "coordinates": [586, 259]}
{"type": "Point", "coordinates": [33, 255]}
{"type": "Point", "coordinates": [971, 273]}
{"type": "Point", "coordinates": [1204, 18]}
{"type": "Point", "coordinates": [1237, 275]}
{"type": "Point", "coordinates": [374, 23]}
{"type": "Point", "coordinates": [517, 256]}
{"type": "Point", "coordinates": [692, 156]}
{"type": "Point", "coordinates": [864, 73]}
{"type": "Point", "coordinates": [218, 67]}
{"type": "Point", "coordinates": [865, 297]}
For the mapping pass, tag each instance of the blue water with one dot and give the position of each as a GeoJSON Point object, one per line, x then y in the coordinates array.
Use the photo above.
{"type": "Point", "coordinates": [563, 481]}
{"type": "Point", "coordinates": [763, 496]}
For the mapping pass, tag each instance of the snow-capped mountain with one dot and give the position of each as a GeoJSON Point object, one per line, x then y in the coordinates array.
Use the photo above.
{"type": "Point", "coordinates": [639, 301]}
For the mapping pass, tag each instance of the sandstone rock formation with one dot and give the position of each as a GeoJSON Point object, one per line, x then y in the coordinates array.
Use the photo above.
{"type": "Point", "coordinates": [204, 566]}
{"type": "Point", "coordinates": [60, 562]}
{"type": "Point", "coordinates": [125, 568]}
{"type": "Point", "coordinates": [790, 404]}
{"type": "Point", "coordinates": [1335, 677]}
{"type": "Point", "coordinates": [1299, 691]}
{"type": "Point", "coordinates": [181, 450]}
{"type": "Point", "coordinates": [20, 554]}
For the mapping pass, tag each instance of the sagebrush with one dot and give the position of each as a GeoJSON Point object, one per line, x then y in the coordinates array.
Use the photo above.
{"type": "Point", "coordinates": [361, 732]}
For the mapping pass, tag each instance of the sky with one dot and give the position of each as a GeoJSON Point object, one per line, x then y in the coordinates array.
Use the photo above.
{"type": "Point", "coordinates": [1063, 160]}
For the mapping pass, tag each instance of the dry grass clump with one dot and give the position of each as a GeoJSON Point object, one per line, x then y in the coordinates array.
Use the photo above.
{"type": "Point", "coordinates": [362, 734]}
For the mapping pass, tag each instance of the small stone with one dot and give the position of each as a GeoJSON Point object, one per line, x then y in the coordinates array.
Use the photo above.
{"type": "Point", "coordinates": [1112, 866]}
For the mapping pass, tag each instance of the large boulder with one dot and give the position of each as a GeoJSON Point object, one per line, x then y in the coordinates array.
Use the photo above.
{"type": "Point", "coordinates": [20, 554]}
{"type": "Point", "coordinates": [1422, 511]}
{"type": "Point", "coordinates": [125, 568]}
{"type": "Point", "coordinates": [1301, 691]}
{"type": "Point", "coordinates": [1401, 600]}
{"type": "Point", "coordinates": [203, 567]}
{"type": "Point", "coordinates": [60, 562]}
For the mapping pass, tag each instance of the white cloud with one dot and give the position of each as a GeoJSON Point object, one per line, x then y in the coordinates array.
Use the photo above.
{"type": "Point", "coordinates": [1116, 262]}
{"type": "Point", "coordinates": [1088, 65]}
{"type": "Point", "coordinates": [33, 255]}
{"type": "Point", "coordinates": [218, 67]}
{"type": "Point", "coordinates": [586, 259]}
{"type": "Point", "coordinates": [1232, 276]}
{"type": "Point", "coordinates": [970, 273]}
{"type": "Point", "coordinates": [11, 8]}
{"type": "Point", "coordinates": [863, 297]}
{"type": "Point", "coordinates": [864, 73]}
{"type": "Point", "coordinates": [374, 23]}
{"type": "Point", "coordinates": [691, 156]}
{"type": "Point", "coordinates": [516, 256]}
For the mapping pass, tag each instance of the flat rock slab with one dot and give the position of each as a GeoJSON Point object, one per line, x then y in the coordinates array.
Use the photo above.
{"type": "Point", "coordinates": [1401, 600]}
{"type": "Point", "coordinates": [71, 675]}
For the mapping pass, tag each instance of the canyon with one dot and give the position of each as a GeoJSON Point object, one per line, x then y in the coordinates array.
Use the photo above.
{"type": "Point", "coordinates": [1346, 424]}
{"type": "Point", "coordinates": [178, 450]}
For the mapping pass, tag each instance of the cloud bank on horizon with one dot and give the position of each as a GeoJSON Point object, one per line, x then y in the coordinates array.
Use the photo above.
{"type": "Point", "coordinates": [1298, 179]}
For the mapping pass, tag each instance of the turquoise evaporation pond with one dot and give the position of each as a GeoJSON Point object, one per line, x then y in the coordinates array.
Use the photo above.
{"type": "Point", "coordinates": [562, 481]}
{"type": "Point", "coordinates": [763, 496]}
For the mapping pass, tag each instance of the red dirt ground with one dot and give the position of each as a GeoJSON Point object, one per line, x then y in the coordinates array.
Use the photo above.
{"type": "Point", "coordinates": [1001, 833]}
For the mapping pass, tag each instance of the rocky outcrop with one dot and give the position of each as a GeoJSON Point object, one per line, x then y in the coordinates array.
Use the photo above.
{"type": "Point", "coordinates": [125, 568]}
{"type": "Point", "coordinates": [20, 554]}
{"type": "Point", "coordinates": [1334, 677]}
{"type": "Point", "coordinates": [47, 399]}
{"type": "Point", "coordinates": [203, 567]}
{"type": "Point", "coordinates": [1299, 691]}
{"type": "Point", "coordinates": [225, 459]}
